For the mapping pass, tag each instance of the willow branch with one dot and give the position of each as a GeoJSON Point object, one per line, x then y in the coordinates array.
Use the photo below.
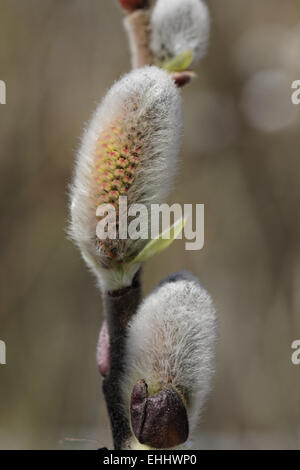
{"type": "Point", "coordinates": [119, 307]}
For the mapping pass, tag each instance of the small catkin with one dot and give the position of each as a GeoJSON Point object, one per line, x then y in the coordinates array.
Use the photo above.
{"type": "Point", "coordinates": [171, 342]}
{"type": "Point", "coordinates": [179, 26]}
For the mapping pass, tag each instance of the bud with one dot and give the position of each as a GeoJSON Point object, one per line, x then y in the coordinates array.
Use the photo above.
{"type": "Point", "coordinates": [169, 359]}
{"type": "Point", "coordinates": [131, 5]}
{"type": "Point", "coordinates": [130, 148]}
{"type": "Point", "coordinates": [179, 26]}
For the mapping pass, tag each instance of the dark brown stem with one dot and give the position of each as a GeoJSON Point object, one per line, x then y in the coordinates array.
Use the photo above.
{"type": "Point", "coordinates": [137, 25]}
{"type": "Point", "coordinates": [119, 306]}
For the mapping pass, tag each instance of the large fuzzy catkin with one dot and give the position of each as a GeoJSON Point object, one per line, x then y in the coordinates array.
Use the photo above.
{"type": "Point", "coordinates": [178, 26]}
{"type": "Point", "coordinates": [171, 342]}
{"type": "Point", "coordinates": [130, 148]}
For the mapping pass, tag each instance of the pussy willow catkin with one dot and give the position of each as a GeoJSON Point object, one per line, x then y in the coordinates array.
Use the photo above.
{"type": "Point", "coordinates": [130, 148]}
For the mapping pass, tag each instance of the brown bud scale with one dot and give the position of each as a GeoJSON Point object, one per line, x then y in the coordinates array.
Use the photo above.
{"type": "Point", "coordinates": [117, 157]}
{"type": "Point", "coordinates": [159, 421]}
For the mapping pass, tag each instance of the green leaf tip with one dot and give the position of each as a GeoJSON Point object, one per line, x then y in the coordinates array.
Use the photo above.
{"type": "Point", "coordinates": [160, 243]}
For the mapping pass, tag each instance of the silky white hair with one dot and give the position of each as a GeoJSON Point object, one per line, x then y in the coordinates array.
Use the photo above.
{"type": "Point", "coordinates": [172, 339]}
{"type": "Point", "coordinates": [148, 101]}
{"type": "Point", "coordinates": [178, 26]}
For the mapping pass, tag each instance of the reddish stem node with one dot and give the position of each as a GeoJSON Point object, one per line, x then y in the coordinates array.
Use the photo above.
{"type": "Point", "coordinates": [132, 5]}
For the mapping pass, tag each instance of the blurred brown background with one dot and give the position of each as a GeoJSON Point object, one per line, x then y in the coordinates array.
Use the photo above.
{"type": "Point", "coordinates": [240, 157]}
